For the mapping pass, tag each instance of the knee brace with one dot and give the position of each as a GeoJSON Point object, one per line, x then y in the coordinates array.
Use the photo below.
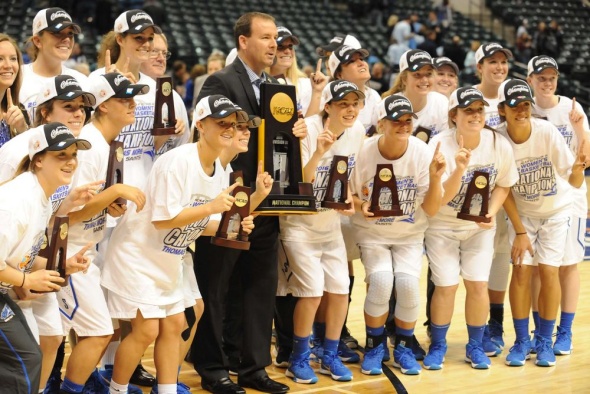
{"type": "Point", "coordinates": [499, 272]}
{"type": "Point", "coordinates": [377, 300]}
{"type": "Point", "coordinates": [407, 289]}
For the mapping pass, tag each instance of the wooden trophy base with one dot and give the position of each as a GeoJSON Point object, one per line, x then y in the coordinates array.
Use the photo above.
{"type": "Point", "coordinates": [336, 205]}
{"type": "Point", "coordinates": [473, 218]}
{"type": "Point", "coordinates": [276, 204]}
{"type": "Point", "coordinates": [394, 211]}
{"type": "Point", "coordinates": [163, 131]}
{"type": "Point", "coordinates": [230, 243]}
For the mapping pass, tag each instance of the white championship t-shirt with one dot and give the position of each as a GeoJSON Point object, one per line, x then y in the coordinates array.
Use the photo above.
{"type": "Point", "coordinates": [325, 226]}
{"type": "Point", "coordinates": [434, 116]}
{"type": "Point", "coordinates": [493, 155]}
{"type": "Point", "coordinates": [145, 264]}
{"type": "Point", "coordinates": [24, 213]}
{"type": "Point", "coordinates": [412, 181]}
{"type": "Point", "coordinates": [559, 117]}
{"type": "Point", "coordinates": [544, 164]}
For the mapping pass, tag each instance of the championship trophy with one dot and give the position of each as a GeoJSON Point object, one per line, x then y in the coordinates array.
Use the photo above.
{"type": "Point", "coordinates": [115, 169]}
{"type": "Point", "coordinates": [230, 233]}
{"type": "Point", "coordinates": [280, 152]}
{"type": "Point", "coordinates": [422, 133]}
{"type": "Point", "coordinates": [479, 186]}
{"type": "Point", "coordinates": [164, 125]}
{"type": "Point", "coordinates": [337, 190]}
{"type": "Point", "coordinates": [384, 199]}
{"type": "Point", "coordinates": [55, 252]}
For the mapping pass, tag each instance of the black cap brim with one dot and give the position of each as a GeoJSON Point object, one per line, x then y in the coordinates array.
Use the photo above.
{"type": "Point", "coordinates": [64, 25]}
{"type": "Point", "coordinates": [518, 101]}
{"type": "Point", "coordinates": [139, 28]}
{"type": "Point", "coordinates": [80, 143]}
{"type": "Point", "coordinates": [89, 99]}
{"type": "Point", "coordinates": [452, 65]}
{"type": "Point", "coordinates": [132, 90]}
{"type": "Point", "coordinates": [346, 92]}
{"type": "Point", "coordinates": [400, 114]}
{"type": "Point", "coordinates": [505, 51]}
{"type": "Point", "coordinates": [295, 39]}
{"type": "Point", "coordinates": [469, 102]}
{"type": "Point", "coordinates": [243, 115]}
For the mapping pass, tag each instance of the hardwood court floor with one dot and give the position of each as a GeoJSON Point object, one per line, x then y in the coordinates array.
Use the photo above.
{"type": "Point", "coordinates": [568, 376]}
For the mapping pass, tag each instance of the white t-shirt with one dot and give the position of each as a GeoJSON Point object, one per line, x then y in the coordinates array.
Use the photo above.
{"type": "Point", "coordinates": [434, 116]}
{"type": "Point", "coordinates": [544, 164]}
{"type": "Point", "coordinates": [492, 115]}
{"type": "Point", "coordinates": [368, 115]}
{"type": "Point", "coordinates": [493, 155]}
{"type": "Point", "coordinates": [24, 213]}
{"type": "Point", "coordinates": [92, 166]}
{"type": "Point", "coordinates": [412, 180]}
{"type": "Point", "coordinates": [145, 264]}
{"type": "Point", "coordinates": [559, 117]}
{"type": "Point", "coordinates": [325, 226]}
{"type": "Point", "coordinates": [32, 82]}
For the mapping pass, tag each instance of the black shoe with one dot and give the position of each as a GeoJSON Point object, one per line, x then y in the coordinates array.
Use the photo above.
{"type": "Point", "coordinates": [141, 377]}
{"type": "Point", "coordinates": [263, 383]}
{"type": "Point", "coordinates": [222, 386]}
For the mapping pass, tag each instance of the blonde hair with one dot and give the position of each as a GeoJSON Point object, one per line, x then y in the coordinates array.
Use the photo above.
{"type": "Point", "coordinates": [399, 85]}
{"type": "Point", "coordinates": [109, 42]}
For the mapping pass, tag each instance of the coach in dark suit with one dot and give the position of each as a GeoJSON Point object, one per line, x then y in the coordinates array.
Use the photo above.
{"type": "Point", "coordinates": [255, 34]}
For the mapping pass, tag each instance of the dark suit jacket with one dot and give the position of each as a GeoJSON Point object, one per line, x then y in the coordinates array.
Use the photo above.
{"type": "Point", "coordinates": [233, 82]}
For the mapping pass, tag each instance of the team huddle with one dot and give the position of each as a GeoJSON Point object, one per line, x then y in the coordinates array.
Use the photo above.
{"type": "Point", "coordinates": [140, 265]}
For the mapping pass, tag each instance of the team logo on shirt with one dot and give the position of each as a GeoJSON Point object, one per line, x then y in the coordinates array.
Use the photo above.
{"type": "Point", "coordinates": [58, 196]}
{"type": "Point", "coordinates": [137, 138]}
{"type": "Point", "coordinates": [568, 134]}
{"type": "Point", "coordinates": [178, 239]}
{"type": "Point", "coordinates": [536, 178]}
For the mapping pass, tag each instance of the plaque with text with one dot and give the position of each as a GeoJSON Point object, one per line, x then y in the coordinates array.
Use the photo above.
{"type": "Point", "coordinates": [56, 249]}
{"type": "Point", "coordinates": [164, 116]}
{"type": "Point", "coordinates": [280, 152]}
{"type": "Point", "coordinates": [337, 190]}
{"type": "Point", "coordinates": [384, 199]}
{"type": "Point", "coordinates": [230, 233]}
{"type": "Point", "coordinates": [479, 186]}
{"type": "Point", "coordinates": [115, 168]}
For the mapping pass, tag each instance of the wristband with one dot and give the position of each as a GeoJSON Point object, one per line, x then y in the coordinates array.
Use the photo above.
{"type": "Point", "coordinates": [521, 233]}
{"type": "Point", "coordinates": [24, 276]}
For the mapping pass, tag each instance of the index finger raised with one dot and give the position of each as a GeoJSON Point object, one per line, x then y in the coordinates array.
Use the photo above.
{"type": "Point", "coordinates": [9, 98]}
{"type": "Point", "coordinates": [318, 67]}
{"type": "Point", "coordinates": [436, 149]}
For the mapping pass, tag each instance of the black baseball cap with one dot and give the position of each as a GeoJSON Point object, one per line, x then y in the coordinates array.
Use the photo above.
{"type": "Point", "coordinates": [53, 136]}
{"type": "Point", "coordinates": [394, 107]}
{"type": "Point", "coordinates": [54, 20]}
{"type": "Point", "coordinates": [134, 22]}
{"type": "Point", "coordinates": [284, 33]}
{"type": "Point", "coordinates": [540, 63]}
{"type": "Point", "coordinates": [464, 97]}
{"type": "Point", "coordinates": [438, 62]}
{"type": "Point", "coordinates": [515, 91]}
{"type": "Point", "coordinates": [64, 87]}
{"type": "Point", "coordinates": [489, 49]}
{"type": "Point", "coordinates": [414, 59]}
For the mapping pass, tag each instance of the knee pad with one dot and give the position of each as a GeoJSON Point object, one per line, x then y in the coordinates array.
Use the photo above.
{"type": "Point", "coordinates": [499, 272]}
{"type": "Point", "coordinates": [377, 300]}
{"type": "Point", "coordinates": [407, 288]}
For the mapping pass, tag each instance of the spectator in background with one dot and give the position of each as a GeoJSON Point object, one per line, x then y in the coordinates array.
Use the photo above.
{"type": "Point", "coordinates": [429, 43]}
{"type": "Point", "coordinates": [522, 28]}
{"type": "Point", "coordinates": [379, 78]}
{"type": "Point", "coordinates": [524, 51]}
{"type": "Point", "coordinates": [469, 72]}
{"type": "Point", "coordinates": [445, 14]}
{"type": "Point", "coordinates": [181, 78]}
{"type": "Point", "coordinates": [215, 62]}
{"type": "Point", "coordinates": [155, 9]}
{"type": "Point", "coordinates": [456, 53]}
{"type": "Point", "coordinates": [394, 53]}
{"type": "Point", "coordinates": [434, 24]}
{"type": "Point", "coordinates": [556, 32]}
{"type": "Point", "coordinates": [391, 22]}
{"type": "Point", "coordinates": [402, 31]}
{"type": "Point", "coordinates": [417, 29]}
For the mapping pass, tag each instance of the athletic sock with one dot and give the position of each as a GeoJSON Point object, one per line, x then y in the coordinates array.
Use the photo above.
{"type": "Point", "coordinates": [497, 312]}
{"type": "Point", "coordinates": [116, 388]}
{"type": "Point", "coordinates": [167, 388]}
{"type": "Point", "coordinates": [300, 345]}
{"type": "Point", "coordinates": [439, 333]}
{"type": "Point", "coordinates": [475, 333]}
{"type": "Point", "coordinates": [70, 387]}
{"type": "Point", "coordinates": [331, 345]}
{"type": "Point", "coordinates": [109, 355]}
{"type": "Point", "coordinates": [546, 327]}
{"type": "Point", "coordinates": [566, 320]}
{"type": "Point", "coordinates": [319, 331]}
{"type": "Point", "coordinates": [536, 320]}
{"type": "Point", "coordinates": [521, 328]}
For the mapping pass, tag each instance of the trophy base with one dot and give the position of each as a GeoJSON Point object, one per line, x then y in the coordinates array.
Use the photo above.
{"type": "Point", "coordinates": [163, 130]}
{"type": "Point", "coordinates": [380, 213]}
{"type": "Point", "coordinates": [287, 204]}
{"type": "Point", "coordinates": [336, 205]}
{"type": "Point", "coordinates": [473, 218]}
{"type": "Point", "coordinates": [230, 243]}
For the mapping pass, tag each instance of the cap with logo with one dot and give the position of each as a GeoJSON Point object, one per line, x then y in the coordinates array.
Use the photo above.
{"type": "Point", "coordinates": [439, 62]}
{"type": "Point", "coordinates": [514, 91]}
{"type": "Point", "coordinates": [343, 55]}
{"type": "Point", "coordinates": [53, 20]}
{"type": "Point", "coordinates": [134, 22]}
{"type": "Point", "coordinates": [414, 59]}
{"type": "Point", "coordinates": [336, 42]}
{"type": "Point", "coordinates": [53, 137]}
{"type": "Point", "coordinates": [64, 87]}
{"type": "Point", "coordinates": [105, 86]}
{"type": "Point", "coordinates": [337, 90]}
{"type": "Point", "coordinates": [217, 106]}
{"type": "Point", "coordinates": [489, 49]}
{"type": "Point", "coordinates": [464, 97]}
{"type": "Point", "coordinates": [540, 63]}
{"type": "Point", "coordinates": [284, 34]}
{"type": "Point", "coordinates": [394, 107]}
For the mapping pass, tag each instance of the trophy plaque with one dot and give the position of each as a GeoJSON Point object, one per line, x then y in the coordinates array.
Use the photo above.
{"type": "Point", "coordinates": [479, 186]}
{"type": "Point", "coordinates": [55, 252]}
{"type": "Point", "coordinates": [384, 199]}
{"type": "Point", "coordinates": [337, 190]}
{"type": "Point", "coordinates": [164, 125]}
{"type": "Point", "coordinates": [230, 233]}
{"type": "Point", "coordinates": [422, 133]}
{"type": "Point", "coordinates": [280, 152]}
{"type": "Point", "coordinates": [115, 169]}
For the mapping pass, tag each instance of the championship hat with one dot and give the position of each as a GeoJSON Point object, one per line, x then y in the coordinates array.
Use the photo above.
{"type": "Point", "coordinates": [414, 59]}
{"type": "Point", "coordinates": [515, 91]}
{"type": "Point", "coordinates": [438, 62]}
{"type": "Point", "coordinates": [113, 85]}
{"type": "Point", "coordinates": [134, 22]}
{"type": "Point", "coordinates": [217, 106]}
{"type": "Point", "coordinates": [284, 34]}
{"type": "Point", "coordinates": [540, 63]}
{"type": "Point", "coordinates": [464, 97]}
{"type": "Point", "coordinates": [336, 42]}
{"type": "Point", "coordinates": [337, 90]}
{"type": "Point", "coordinates": [487, 50]}
{"type": "Point", "coordinates": [394, 107]}
{"type": "Point", "coordinates": [53, 137]}
{"type": "Point", "coordinates": [64, 87]}
{"type": "Point", "coordinates": [343, 55]}
{"type": "Point", "coordinates": [53, 20]}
